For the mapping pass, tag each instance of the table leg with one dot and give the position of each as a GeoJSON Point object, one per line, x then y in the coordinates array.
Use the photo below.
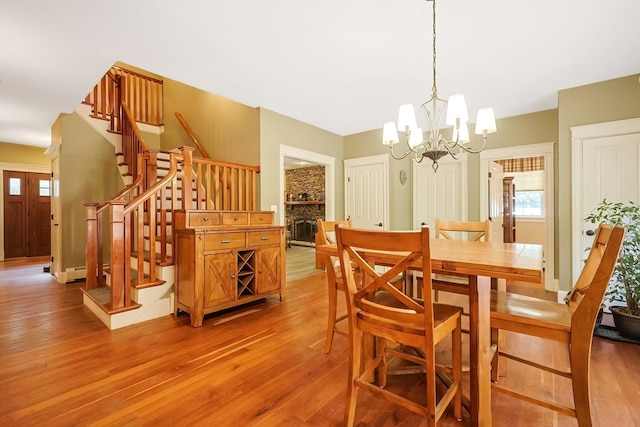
{"type": "Point", "coordinates": [480, 352]}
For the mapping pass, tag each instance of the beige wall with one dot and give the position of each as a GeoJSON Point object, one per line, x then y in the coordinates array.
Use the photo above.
{"type": "Point", "coordinates": [228, 131]}
{"type": "Point", "coordinates": [23, 154]}
{"type": "Point", "coordinates": [531, 231]}
{"type": "Point", "coordinates": [88, 173]}
{"type": "Point", "coordinates": [276, 129]}
{"type": "Point", "coordinates": [606, 101]}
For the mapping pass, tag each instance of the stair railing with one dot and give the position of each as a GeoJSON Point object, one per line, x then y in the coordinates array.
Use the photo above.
{"type": "Point", "coordinates": [192, 136]}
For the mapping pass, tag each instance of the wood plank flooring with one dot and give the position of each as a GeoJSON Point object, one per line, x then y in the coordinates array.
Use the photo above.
{"type": "Point", "coordinates": [260, 365]}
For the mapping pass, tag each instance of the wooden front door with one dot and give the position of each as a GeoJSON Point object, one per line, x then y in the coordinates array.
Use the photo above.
{"type": "Point", "coordinates": [27, 209]}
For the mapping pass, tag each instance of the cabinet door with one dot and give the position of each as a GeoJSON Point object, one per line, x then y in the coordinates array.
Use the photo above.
{"type": "Point", "coordinates": [219, 278]}
{"type": "Point", "coordinates": [269, 265]}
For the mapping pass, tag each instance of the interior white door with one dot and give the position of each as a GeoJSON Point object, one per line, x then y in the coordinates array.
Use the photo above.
{"type": "Point", "coordinates": [366, 192]}
{"type": "Point", "coordinates": [441, 194]}
{"type": "Point", "coordinates": [609, 170]}
{"type": "Point", "coordinates": [496, 204]}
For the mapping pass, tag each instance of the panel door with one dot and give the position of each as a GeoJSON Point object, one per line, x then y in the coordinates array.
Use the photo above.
{"type": "Point", "coordinates": [219, 278]}
{"type": "Point", "coordinates": [269, 269]}
{"type": "Point", "coordinates": [38, 218]}
{"type": "Point", "coordinates": [438, 195]}
{"type": "Point", "coordinates": [609, 170]}
{"type": "Point", "coordinates": [496, 201]}
{"type": "Point", "coordinates": [365, 196]}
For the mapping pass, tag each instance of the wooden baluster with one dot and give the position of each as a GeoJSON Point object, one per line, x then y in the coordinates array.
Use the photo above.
{"type": "Point", "coordinates": [187, 176]}
{"type": "Point", "coordinates": [91, 247]}
{"type": "Point", "coordinates": [118, 250]}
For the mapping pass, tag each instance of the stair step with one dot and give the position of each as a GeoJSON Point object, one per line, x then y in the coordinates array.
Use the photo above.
{"type": "Point", "coordinates": [146, 257]}
{"type": "Point", "coordinates": [102, 297]}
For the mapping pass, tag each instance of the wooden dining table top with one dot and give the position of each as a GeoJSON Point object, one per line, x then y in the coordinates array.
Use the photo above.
{"type": "Point", "coordinates": [511, 261]}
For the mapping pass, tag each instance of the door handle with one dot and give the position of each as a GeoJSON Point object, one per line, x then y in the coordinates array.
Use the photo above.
{"type": "Point", "coordinates": [378, 224]}
{"type": "Point", "coordinates": [590, 232]}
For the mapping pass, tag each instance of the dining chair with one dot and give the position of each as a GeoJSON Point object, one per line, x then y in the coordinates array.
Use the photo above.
{"type": "Point", "coordinates": [450, 230]}
{"type": "Point", "coordinates": [325, 235]}
{"type": "Point", "coordinates": [571, 323]}
{"type": "Point", "coordinates": [380, 312]}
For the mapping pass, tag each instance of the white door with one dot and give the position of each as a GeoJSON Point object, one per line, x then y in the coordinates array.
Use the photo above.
{"type": "Point", "coordinates": [610, 170]}
{"type": "Point", "coordinates": [441, 194]}
{"type": "Point", "coordinates": [366, 192]}
{"type": "Point", "coordinates": [496, 204]}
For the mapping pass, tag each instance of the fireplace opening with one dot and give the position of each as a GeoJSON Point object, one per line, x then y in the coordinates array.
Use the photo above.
{"type": "Point", "coordinates": [304, 230]}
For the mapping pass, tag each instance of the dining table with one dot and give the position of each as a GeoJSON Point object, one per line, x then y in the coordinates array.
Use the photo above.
{"type": "Point", "coordinates": [484, 263]}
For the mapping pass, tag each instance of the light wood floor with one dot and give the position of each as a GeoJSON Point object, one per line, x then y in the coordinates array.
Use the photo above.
{"type": "Point", "coordinates": [59, 366]}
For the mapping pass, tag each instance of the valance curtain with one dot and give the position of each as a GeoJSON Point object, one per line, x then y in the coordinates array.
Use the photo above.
{"type": "Point", "coordinates": [527, 164]}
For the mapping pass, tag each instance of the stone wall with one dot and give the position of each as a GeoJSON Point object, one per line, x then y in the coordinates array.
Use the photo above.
{"type": "Point", "coordinates": [304, 185]}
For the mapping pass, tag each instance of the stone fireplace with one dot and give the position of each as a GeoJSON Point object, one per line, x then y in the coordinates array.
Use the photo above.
{"type": "Point", "coordinates": [304, 203]}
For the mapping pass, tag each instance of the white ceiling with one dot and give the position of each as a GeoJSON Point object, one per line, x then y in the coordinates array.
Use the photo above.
{"type": "Point", "coordinates": [343, 66]}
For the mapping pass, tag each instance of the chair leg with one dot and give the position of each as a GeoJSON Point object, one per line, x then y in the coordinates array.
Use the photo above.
{"type": "Point", "coordinates": [331, 318]}
{"type": "Point", "coordinates": [495, 340]}
{"type": "Point", "coordinates": [354, 373]}
{"type": "Point", "coordinates": [580, 361]}
{"type": "Point", "coordinates": [456, 349]}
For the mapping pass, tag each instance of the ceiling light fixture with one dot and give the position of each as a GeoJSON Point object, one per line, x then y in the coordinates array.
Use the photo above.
{"type": "Point", "coordinates": [434, 145]}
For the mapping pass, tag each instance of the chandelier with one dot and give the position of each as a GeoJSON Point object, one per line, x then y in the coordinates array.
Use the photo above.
{"type": "Point", "coordinates": [431, 143]}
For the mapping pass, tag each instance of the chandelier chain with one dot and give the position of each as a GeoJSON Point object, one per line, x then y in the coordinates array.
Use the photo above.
{"type": "Point", "coordinates": [434, 89]}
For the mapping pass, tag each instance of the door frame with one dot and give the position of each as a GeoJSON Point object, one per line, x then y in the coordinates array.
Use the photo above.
{"type": "Point", "coordinates": [18, 167]}
{"type": "Point", "coordinates": [328, 162]}
{"type": "Point", "coordinates": [578, 136]}
{"type": "Point", "coordinates": [545, 149]}
{"type": "Point", "coordinates": [365, 161]}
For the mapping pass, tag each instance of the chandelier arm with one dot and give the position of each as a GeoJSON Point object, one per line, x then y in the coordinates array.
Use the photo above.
{"type": "Point", "coordinates": [471, 150]}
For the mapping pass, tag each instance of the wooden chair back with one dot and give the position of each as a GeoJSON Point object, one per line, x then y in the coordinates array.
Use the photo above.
{"type": "Point", "coordinates": [414, 245]}
{"type": "Point", "coordinates": [481, 229]}
{"type": "Point", "coordinates": [325, 235]}
{"type": "Point", "coordinates": [587, 294]}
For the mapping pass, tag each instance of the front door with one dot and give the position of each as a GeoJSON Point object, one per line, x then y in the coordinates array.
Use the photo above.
{"type": "Point", "coordinates": [27, 209]}
{"type": "Point", "coordinates": [366, 193]}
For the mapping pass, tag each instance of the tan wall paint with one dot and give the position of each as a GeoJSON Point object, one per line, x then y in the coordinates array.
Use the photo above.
{"type": "Point", "coordinates": [88, 174]}
{"type": "Point", "coordinates": [276, 129]}
{"type": "Point", "coordinates": [228, 131]}
{"type": "Point", "coordinates": [23, 154]}
{"type": "Point", "coordinates": [606, 101]}
{"type": "Point", "coordinates": [531, 232]}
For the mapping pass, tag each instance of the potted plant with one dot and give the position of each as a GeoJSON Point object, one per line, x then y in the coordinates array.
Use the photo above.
{"type": "Point", "coordinates": [625, 286]}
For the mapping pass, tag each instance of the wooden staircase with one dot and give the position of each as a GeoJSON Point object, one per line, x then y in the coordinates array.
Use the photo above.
{"type": "Point", "coordinates": [130, 272]}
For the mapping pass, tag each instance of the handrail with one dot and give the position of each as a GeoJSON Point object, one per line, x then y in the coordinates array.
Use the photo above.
{"type": "Point", "coordinates": [225, 186]}
{"type": "Point", "coordinates": [192, 136]}
{"type": "Point", "coordinates": [133, 142]}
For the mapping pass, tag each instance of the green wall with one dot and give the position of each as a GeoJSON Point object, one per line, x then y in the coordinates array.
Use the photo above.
{"type": "Point", "coordinates": [606, 101]}
{"type": "Point", "coordinates": [276, 129]}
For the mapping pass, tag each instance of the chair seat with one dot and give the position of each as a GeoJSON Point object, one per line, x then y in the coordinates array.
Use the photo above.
{"type": "Point", "coordinates": [536, 312]}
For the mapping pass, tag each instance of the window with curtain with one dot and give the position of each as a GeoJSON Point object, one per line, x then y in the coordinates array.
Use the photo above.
{"type": "Point", "coordinates": [529, 179]}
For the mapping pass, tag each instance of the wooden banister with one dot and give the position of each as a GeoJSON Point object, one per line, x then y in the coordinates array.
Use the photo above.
{"type": "Point", "coordinates": [192, 136]}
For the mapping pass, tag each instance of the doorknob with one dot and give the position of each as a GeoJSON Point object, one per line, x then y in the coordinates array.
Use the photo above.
{"type": "Point", "coordinates": [590, 232]}
{"type": "Point", "coordinates": [378, 224]}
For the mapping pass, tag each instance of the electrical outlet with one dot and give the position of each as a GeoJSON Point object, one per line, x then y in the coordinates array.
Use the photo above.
{"type": "Point", "coordinates": [274, 208]}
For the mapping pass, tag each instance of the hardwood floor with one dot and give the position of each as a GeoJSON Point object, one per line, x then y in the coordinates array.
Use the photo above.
{"type": "Point", "coordinates": [260, 365]}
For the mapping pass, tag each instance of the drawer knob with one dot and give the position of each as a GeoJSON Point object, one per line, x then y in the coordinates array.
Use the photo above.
{"type": "Point", "coordinates": [235, 218]}
{"type": "Point", "coordinates": [225, 241]}
{"type": "Point", "coordinates": [261, 218]}
{"type": "Point", "coordinates": [205, 219]}
{"type": "Point", "coordinates": [264, 238]}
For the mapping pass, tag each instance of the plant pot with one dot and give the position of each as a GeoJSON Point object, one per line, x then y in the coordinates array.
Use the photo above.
{"type": "Point", "coordinates": [599, 317]}
{"type": "Point", "coordinates": [627, 325]}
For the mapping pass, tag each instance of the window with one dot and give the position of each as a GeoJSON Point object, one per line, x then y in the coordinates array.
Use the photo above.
{"type": "Point", "coordinates": [14, 186]}
{"type": "Point", "coordinates": [529, 193]}
{"type": "Point", "coordinates": [44, 189]}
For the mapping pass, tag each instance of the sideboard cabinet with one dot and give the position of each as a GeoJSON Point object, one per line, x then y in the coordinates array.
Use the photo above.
{"type": "Point", "coordinates": [226, 258]}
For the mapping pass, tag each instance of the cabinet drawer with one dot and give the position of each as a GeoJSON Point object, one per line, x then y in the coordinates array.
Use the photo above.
{"type": "Point", "coordinates": [267, 237]}
{"type": "Point", "coordinates": [235, 218]}
{"type": "Point", "coordinates": [261, 218]}
{"type": "Point", "coordinates": [203, 219]}
{"type": "Point", "coordinates": [224, 241]}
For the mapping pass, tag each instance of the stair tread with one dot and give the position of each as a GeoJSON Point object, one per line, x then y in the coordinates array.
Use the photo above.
{"type": "Point", "coordinates": [102, 297]}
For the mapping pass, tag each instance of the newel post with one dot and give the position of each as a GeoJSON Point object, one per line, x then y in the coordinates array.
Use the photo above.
{"type": "Point", "coordinates": [91, 246]}
{"type": "Point", "coordinates": [187, 177]}
{"type": "Point", "coordinates": [117, 260]}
